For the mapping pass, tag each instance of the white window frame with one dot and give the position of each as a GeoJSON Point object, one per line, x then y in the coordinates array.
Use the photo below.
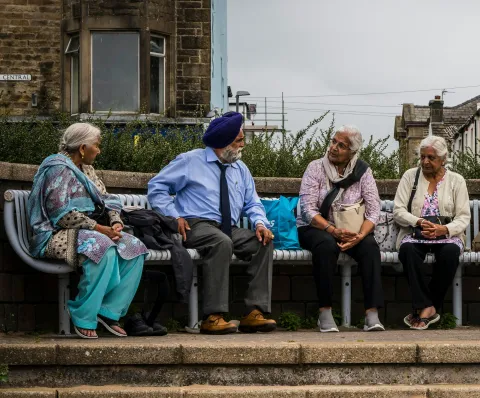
{"type": "Point", "coordinates": [72, 53]}
{"type": "Point", "coordinates": [91, 69]}
{"type": "Point", "coordinates": [162, 56]}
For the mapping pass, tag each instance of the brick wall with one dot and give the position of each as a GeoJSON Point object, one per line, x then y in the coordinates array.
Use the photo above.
{"type": "Point", "coordinates": [115, 7]}
{"type": "Point", "coordinates": [29, 37]}
{"type": "Point", "coordinates": [193, 57]}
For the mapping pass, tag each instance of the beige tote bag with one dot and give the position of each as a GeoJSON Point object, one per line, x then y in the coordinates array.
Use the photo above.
{"type": "Point", "coordinates": [350, 216]}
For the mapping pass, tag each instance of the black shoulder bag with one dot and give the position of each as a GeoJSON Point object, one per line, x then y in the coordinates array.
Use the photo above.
{"type": "Point", "coordinates": [359, 170]}
{"type": "Point", "coordinates": [100, 214]}
{"type": "Point", "coordinates": [417, 230]}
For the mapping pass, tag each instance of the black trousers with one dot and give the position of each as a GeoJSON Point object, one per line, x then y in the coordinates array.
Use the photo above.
{"type": "Point", "coordinates": [412, 255]}
{"type": "Point", "coordinates": [325, 252]}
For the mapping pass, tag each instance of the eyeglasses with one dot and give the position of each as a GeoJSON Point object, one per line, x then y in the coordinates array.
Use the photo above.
{"type": "Point", "coordinates": [340, 145]}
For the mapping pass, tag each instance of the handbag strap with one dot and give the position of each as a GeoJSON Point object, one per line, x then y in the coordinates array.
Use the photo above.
{"type": "Point", "coordinates": [414, 190]}
{"type": "Point", "coordinates": [359, 170]}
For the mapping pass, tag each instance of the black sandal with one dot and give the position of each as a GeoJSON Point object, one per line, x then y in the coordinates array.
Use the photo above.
{"type": "Point", "coordinates": [108, 323]}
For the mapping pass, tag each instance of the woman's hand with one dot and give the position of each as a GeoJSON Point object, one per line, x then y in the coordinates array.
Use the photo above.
{"type": "Point", "coordinates": [117, 227]}
{"type": "Point", "coordinates": [351, 243]}
{"type": "Point", "coordinates": [343, 235]}
{"type": "Point", "coordinates": [111, 232]}
{"type": "Point", "coordinates": [431, 230]}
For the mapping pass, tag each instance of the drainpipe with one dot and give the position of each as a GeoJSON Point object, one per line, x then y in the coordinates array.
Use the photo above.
{"type": "Point", "coordinates": [475, 134]}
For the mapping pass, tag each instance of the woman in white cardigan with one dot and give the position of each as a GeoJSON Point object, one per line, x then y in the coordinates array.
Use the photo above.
{"type": "Point", "coordinates": [440, 192]}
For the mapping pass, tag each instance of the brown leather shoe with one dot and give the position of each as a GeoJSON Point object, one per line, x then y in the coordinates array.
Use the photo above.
{"type": "Point", "coordinates": [215, 324]}
{"type": "Point", "coordinates": [255, 322]}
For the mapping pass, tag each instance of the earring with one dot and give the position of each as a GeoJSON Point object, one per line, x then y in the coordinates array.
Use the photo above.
{"type": "Point", "coordinates": [83, 155]}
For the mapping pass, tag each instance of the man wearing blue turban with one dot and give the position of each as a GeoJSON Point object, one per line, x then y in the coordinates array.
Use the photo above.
{"type": "Point", "coordinates": [213, 188]}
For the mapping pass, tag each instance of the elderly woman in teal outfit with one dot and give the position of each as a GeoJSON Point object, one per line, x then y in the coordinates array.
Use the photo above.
{"type": "Point", "coordinates": [75, 220]}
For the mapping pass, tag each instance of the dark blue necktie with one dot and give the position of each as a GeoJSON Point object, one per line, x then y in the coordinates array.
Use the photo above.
{"type": "Point", "coordinates": [226, 226]}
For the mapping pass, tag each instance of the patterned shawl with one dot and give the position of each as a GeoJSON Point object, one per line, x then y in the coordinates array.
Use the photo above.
{"type": "Point", "coordinates": [58, 188]}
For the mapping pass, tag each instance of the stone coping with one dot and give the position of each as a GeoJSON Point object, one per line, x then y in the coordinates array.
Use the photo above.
{"type": "Point", "coordinates": [253, 391]}
{"type": "Point", "coordinates": [136, 180]}
{"type": "Point", "coordinates": [460, 346]}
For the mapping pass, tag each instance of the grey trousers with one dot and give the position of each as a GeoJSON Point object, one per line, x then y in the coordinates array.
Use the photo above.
{"type": "Point", "coordinates": [216, 249]}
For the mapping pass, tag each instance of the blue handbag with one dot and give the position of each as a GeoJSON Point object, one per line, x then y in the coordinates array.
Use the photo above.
{"type": "Point", "coordinates": [281, 215]}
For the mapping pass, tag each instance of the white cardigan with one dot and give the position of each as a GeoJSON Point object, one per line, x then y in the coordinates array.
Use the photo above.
{"type": "Point", "coordinates": [452, 202]}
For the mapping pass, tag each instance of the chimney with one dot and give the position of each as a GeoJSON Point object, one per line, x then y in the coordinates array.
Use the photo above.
{"type": "Point", "coordinates": [436, 110]}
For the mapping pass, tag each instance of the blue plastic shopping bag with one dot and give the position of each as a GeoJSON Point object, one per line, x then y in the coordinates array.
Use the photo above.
{"type": "Point", "coordinates": [280, 214]}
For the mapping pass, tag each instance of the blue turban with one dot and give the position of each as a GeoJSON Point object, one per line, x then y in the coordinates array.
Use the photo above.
{"type": "Point", "coordinates": [223, 130]}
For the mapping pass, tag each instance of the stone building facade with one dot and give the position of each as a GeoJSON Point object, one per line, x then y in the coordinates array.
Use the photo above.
{"type": "Point", "coordinates": [123, 56]}
{"type": "Point", "coordinates": [418, 121]}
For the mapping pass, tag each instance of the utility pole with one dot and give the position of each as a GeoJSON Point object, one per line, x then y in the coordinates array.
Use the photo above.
{"type": "Point", "coordinates": [266, 112]}
{"type": "Point", "coordinates": [283, 123]}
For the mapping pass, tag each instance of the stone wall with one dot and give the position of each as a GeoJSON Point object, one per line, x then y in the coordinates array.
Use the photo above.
{"type": "Point", "coordinates": [193, 57]}
{"type": "Point", "coordinates": [28, 298]}
{"type": "Point", "coordinates": [29, 44]}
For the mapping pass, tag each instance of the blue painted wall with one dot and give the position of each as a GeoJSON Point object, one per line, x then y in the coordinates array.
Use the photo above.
{"type": "Point", "coordinates": [219, 97]}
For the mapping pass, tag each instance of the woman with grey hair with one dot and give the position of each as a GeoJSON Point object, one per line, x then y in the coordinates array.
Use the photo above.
{"type": "Point", "coordinates": [332, 184]}
{"type": "Point", "coordinates": [432, 208]}
{"type": "Point", "coordinates": [74, 219]}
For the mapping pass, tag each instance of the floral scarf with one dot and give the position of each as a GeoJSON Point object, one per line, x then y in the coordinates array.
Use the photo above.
{"type": "Point", "coordinates": [58, 188]}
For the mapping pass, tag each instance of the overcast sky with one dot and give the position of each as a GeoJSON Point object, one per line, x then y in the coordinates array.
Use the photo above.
{"type": "Point", "coordinates": [321, 48]}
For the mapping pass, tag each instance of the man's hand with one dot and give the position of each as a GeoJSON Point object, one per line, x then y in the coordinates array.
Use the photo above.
{"type": "Point", "coordinates": [183, 227]}
{"type": "Point", "coordinates": [111, 232]}
{"type": "Point", "coordinates": [431, 230]}
{"type": "Point", "coordinates": [351, 242]}
{"type": "Point", "coordinates": [264, 234]}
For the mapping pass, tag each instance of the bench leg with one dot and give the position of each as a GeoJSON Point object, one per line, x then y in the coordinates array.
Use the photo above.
{"type": "Point", "coordinates": [193, 301]}
{"type": "Point", "coordinates": [63, 297]}
{"type": "Point", "coordinates": [346, 294]}
{"type": "Point", "coordinates": [457, 295]}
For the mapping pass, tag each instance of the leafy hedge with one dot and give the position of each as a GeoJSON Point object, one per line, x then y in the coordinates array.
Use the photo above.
{"type": "Point", "coordinates": [148, 145]}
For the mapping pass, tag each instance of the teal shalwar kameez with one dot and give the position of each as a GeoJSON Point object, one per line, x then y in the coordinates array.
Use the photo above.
{"type": "Point", "coordinates": [62, 198]}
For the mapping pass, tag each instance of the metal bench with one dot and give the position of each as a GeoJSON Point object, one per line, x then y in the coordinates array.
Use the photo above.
{"type": "Point", "coordinates": [18, 232]}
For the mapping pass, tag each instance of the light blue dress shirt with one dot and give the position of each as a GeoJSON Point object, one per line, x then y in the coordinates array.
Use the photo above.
{"type": "Point", "coordinates": [195, 180]}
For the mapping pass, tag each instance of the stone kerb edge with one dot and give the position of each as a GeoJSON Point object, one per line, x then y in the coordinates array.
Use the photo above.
{"type": "Point", "coordinates": [147, 352]}
{"type": "Point", "coordinates": [136, 180]}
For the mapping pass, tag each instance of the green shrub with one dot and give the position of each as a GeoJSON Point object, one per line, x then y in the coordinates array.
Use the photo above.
{"type": "Point", "coordinates": [466, 164]}
{"type": "Point", "coordinates": [310, 322]}
{"type": "Point", "coordinates": [289, 321]}
{"type": "Point", "coordinates": [172, 325]}
{"type": "Point", "coordinates": [447, 321]}
{"type": "Point", "coordinates": [147, 145]}
{"type": "Point", "coordinates": [3, 373]}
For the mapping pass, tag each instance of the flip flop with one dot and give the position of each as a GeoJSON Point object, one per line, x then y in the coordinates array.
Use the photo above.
{"type": "Point", "coordinates": [409, 318]}
{"type": "Point", "coordinates": [427, 321]}
{"type": "Point", "coordinates": [108, 323]}
{"type": "Point", "coordinates": [78, 332]}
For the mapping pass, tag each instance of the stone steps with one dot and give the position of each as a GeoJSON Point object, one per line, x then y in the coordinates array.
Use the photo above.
{"type": "Point", "coordinates": [279, 359]}
{"type": "Point", "coordinates": [378, 391]}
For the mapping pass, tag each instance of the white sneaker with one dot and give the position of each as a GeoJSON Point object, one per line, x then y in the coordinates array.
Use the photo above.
{"type": "Point", "coordinates": [327, 326]}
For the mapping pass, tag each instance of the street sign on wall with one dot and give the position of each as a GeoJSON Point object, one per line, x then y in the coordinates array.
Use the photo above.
{"type": "Point", "coordinates": [14, 78]}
